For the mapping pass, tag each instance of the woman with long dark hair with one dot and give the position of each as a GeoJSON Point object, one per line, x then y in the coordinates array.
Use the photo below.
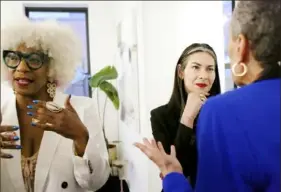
{"type": "Point", "coordinates": [196, 79]}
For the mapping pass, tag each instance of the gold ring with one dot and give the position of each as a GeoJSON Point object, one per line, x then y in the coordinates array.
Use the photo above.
{"type": "Point", "coordinates": [49, 124]}
{"type": "Point", "coordinates": [202, 97]}
{"type": "Point", "coordinates": [53, 107]}
{"type": "Point", "coordinates": [33, 120]}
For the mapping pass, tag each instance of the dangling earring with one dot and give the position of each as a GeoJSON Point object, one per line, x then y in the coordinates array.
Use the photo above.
{"type": "Point", "coordinates": [245, 69]}
{"type": "Point", "coordinates": [51, 89]}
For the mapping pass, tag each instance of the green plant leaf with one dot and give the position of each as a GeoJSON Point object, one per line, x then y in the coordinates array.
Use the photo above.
{"type": "Point", "coordinates": [106, 73]}
{"type": "Point", "coordinates": [111, 92]}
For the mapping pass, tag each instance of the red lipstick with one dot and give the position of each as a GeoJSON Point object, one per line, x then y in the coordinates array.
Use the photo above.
{"type": "Point", "coordinates": [201, 85]}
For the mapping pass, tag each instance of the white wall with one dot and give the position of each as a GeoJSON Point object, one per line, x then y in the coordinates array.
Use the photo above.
{"type": "Point", "coordinates": [136, 170]}
{"type": "Point", "coordinates": [164, 30]}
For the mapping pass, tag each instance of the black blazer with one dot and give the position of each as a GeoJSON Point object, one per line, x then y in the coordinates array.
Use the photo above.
{"type": "Point", "coordinates": [166, 127]}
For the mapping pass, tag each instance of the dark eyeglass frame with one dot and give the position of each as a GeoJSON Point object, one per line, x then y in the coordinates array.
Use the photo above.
{"type": "Point", "coordinates": [24, 56]}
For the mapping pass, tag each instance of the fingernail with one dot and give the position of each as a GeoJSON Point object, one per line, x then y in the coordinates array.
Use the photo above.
{"type": "Point", "coordinates": [35, 101]}
{"type": "Point", "coordinates": [15, 128]}
{"type": "Point", "coordinates": [16, 138]}
{"type": "Point", "coordinates": [18, 147]}
{"type": "Point", "coordinates": [29, 113]}
{"type": "Point", "coordinates": [29, 107]}
{"type": "Point", "coordinates": [33, 124]}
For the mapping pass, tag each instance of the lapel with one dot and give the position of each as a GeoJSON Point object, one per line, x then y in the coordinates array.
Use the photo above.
{"type": "Point", "coordinates": [13, 165]}
{"type": "Point", "coordinates": [47, 151]}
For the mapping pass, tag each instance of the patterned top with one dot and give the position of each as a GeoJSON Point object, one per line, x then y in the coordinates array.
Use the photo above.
{"type": "Point", "coordinates": [28, 165]}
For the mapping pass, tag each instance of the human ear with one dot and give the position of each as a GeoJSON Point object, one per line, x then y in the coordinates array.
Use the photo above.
{"type": "Point", "coordinates": [180, 71]}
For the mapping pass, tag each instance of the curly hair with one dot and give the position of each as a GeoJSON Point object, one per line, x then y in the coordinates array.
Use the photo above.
{"type": "Point", "coordinates": [56, 40]}
{"type": "Point", "coordinates": [260, 22]}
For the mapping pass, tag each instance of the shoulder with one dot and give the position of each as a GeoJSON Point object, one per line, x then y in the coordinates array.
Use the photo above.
{"type": "Point", "coordinates": [164, 116]}
{"type": "Point", "coordinates": [164, 113]}
{"type": "Point", "coordinates": [159, 111]}
{"type": "Point", "coordinates": [219, 108]}
{"type": "Point", "coordinates": [244, 96]}
{"type": "Point", "coordinates": [241, 108]}
{"type": "Point", "coordinates": [159, 117]}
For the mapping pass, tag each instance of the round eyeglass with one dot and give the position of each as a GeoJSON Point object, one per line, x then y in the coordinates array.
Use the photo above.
{"type": "Point", "coordinates": [34, 61]}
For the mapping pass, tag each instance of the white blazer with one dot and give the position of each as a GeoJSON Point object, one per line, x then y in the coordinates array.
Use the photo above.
{"type": "Point", "coordinates": [57, 168]}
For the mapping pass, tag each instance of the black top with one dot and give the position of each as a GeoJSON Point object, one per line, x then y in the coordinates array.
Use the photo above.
{"type": "Point", "coordinates": [166, 127]}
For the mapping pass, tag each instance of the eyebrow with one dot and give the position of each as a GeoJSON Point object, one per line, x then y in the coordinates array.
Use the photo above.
{"type": "Point", "coordinates": [201, 64]}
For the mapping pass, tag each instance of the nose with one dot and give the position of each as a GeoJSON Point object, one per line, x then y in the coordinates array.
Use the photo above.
{"type": "Point", "coordinates": [22, 67]}
{"type": "Point", "coordinates": [203, 74]}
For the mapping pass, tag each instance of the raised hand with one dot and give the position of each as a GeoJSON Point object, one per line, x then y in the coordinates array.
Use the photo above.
{"type": "Point", "coordinates": [64, 121]}
{"type": "Point", "coordinates": [155, 152]}
{"type": "Point", "coordinates": [192, 107]}
{"type": "Point", "coordinates": [194, 103]}
{"type": "Point", "coordinates": [7, 139]}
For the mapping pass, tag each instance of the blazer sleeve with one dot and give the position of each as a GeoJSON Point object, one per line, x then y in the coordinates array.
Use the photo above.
{"type": "Point", "coordinates": [214, 171]}
{"type": "Point", "coordinates": [184, 141]}
{"type": "Point", "coordinates": [92, 170]}
{"type": "Point", "coordinates": [176, 182]}
{"type": "Point", "coordinates": [159, 130]}
{"type": "Point", "coordinates": [185, 148]}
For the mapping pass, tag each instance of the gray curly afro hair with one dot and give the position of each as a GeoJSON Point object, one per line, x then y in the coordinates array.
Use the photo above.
{"type": "Point", "coordinates": [260, 22]}
{"type": "Point", "coordinates": [56, 40]}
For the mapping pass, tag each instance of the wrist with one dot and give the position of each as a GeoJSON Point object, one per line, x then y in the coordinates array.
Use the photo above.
{"type": "Point", "coordinates": [80, 143]}
{"type": "Point", "coordinates": [166, 172]}
{"type": "Point", "coordinates": [187, 120]}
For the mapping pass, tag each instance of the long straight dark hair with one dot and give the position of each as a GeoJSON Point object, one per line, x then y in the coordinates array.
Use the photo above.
{"type": "Point", "coordinates": [179, 95]}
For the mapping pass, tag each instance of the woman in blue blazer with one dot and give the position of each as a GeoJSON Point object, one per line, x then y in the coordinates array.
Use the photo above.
{"type": "Point", "coordinates": [238, 133]}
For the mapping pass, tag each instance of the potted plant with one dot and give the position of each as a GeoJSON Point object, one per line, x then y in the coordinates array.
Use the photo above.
{"type": "Point", "coordinates": [101, 81]}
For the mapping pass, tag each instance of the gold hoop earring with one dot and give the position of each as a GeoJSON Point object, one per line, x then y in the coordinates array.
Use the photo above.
{"type": "Point", "coordinates": [51, 89]}
{"type": "Point", "coordinates": [245, 70]}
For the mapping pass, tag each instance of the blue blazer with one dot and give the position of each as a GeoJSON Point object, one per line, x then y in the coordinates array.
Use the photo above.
{"type": "Point", "coordinates": [238, 142]}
